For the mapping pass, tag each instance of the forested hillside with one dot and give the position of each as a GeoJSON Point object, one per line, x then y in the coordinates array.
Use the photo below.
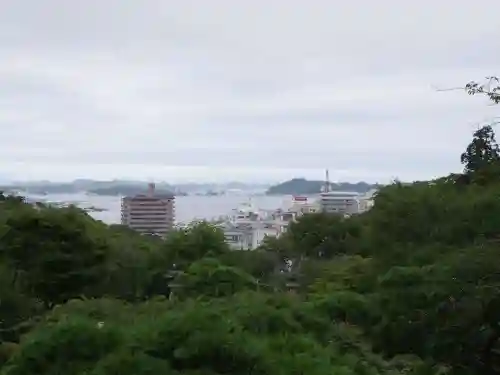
{"type": "Point", "coordinates": [301, 186]}
{"type": "Point", "coordinates": [410, 287]}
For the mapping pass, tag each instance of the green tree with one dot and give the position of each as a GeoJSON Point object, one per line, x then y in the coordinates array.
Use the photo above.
{"type": "Point", "coordinates": [259, 263]}
{"type": "Point", "coordinates": [136, 266]}
{"type": "Point", "coordinates": [482, 152]}
{"type": "Point", "coordinates": [16, 309]}
{"type": "Point", "coordinates": [185, 246]}
{"type": "Point", "coordinates": [210, 278]}
{"type": "Point", "coordinates": [57, 254]}
{"type": "Point", "coordinates": [317, 236]}
{"type": "Point", "coordinates": [71, 347]}
{"type": "Point", "coordinates": [249, 333]}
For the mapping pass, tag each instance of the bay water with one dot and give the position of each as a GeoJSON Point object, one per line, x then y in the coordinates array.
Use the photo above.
{"type": "Point", "coordinates": [188, 208]}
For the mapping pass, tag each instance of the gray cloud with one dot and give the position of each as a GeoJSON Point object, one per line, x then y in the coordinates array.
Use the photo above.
{"type": "Point", "coordinates": [257, 89]}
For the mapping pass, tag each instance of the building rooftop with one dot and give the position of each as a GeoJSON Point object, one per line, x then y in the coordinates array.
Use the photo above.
{"type": "Point", "coordinates": [341, 193]}
{"type": "Point", "coordinates": [155, 196]}
{"type": "Point", "coordinates": [151, 194]}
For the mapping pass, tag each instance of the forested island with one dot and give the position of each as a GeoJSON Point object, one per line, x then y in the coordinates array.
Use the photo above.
{"type": "Point", "coordinates": [112, 188]}
{"type": "Point", "coordinates": [301, 186]}
{"type": "Point", "coordinates": [410, 287]}
{"type": "Point", "coordinates": [124, 187]}
{"type": "Point", "coordinates": [129, 190]}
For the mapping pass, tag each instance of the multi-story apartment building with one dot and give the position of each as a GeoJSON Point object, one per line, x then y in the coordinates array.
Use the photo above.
{"type": "Point", "coordinates": [149, 213]}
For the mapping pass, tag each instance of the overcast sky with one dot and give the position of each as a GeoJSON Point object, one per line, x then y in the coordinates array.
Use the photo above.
{"type": "Point", "coordinates": [258, 90]}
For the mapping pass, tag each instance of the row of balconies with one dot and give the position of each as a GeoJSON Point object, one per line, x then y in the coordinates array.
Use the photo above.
{"type": "Point", "coordinates": [150, 222]}
{"type": "Point", "coordinates": [149, 202]}
{"type": "Point", "coordinates": [148, 214]}
{"type": "Point", "coordinates": [151, 227]}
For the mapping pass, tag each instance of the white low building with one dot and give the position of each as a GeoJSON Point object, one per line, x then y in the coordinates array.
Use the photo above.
{"type": "Point", "coordinates": [245, 228]}
{"type": "Point", "coordinates": [340, 202]}
{"type": "Point", "coordinates": [346, 203]}
{"type": "Point", "coordinates": [246, 238]}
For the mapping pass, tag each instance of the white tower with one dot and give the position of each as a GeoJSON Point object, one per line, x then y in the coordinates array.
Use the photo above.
{"type": "Point", "coordinates": [327, 182]}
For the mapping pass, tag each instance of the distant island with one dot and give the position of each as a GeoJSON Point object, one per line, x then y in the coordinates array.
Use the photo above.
{"type": "Point", "coordinates": [126, 187]}
{"type": "Point", "coordinates": [296, 186]}
{"type": "Point", "coordinates": [301, 186]}
{"type": "Point", "coordinates": [127, 190]}
{"type": "Point", "coordinates": [88, 186]}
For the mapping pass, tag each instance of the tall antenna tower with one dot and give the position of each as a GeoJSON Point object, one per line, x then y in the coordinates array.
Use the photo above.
{"type": "Point", "coordinates": [327, 181]}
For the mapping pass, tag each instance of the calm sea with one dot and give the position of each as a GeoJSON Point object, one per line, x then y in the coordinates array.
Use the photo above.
{"type": "Point", "coordinates": [187, 208]}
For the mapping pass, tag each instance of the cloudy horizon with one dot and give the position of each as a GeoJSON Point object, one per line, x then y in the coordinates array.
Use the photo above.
{"type": "Point", "coordinates": [257, 91]}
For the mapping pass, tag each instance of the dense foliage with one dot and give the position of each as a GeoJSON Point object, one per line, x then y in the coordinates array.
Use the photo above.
{"type": "Point", "coordinates": [410, 287]}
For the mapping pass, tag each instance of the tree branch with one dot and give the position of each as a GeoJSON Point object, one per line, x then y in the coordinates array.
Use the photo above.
{"type": "Point", "coordinates": [490, 88]}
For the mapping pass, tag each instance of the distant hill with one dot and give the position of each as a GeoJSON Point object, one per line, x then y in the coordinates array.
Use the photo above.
{"type": "Point", "coordinates": [126, 190]}
{"type": "Point", "coordinates": [121, 187]}
{"type": "Point", "coordinates": [301, 186]}
{"type": "Point", "coordinates": [115, 187]}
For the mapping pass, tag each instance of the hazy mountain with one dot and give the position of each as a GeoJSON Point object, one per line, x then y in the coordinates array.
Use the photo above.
{"type": "Point", "coordinates": [301, 186]}
{"type": "Point", "coordinates": [123, 187]}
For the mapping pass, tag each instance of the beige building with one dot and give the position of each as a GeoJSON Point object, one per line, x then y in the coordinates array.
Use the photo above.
{"type": "Point", "coordinates": [149, 213]}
